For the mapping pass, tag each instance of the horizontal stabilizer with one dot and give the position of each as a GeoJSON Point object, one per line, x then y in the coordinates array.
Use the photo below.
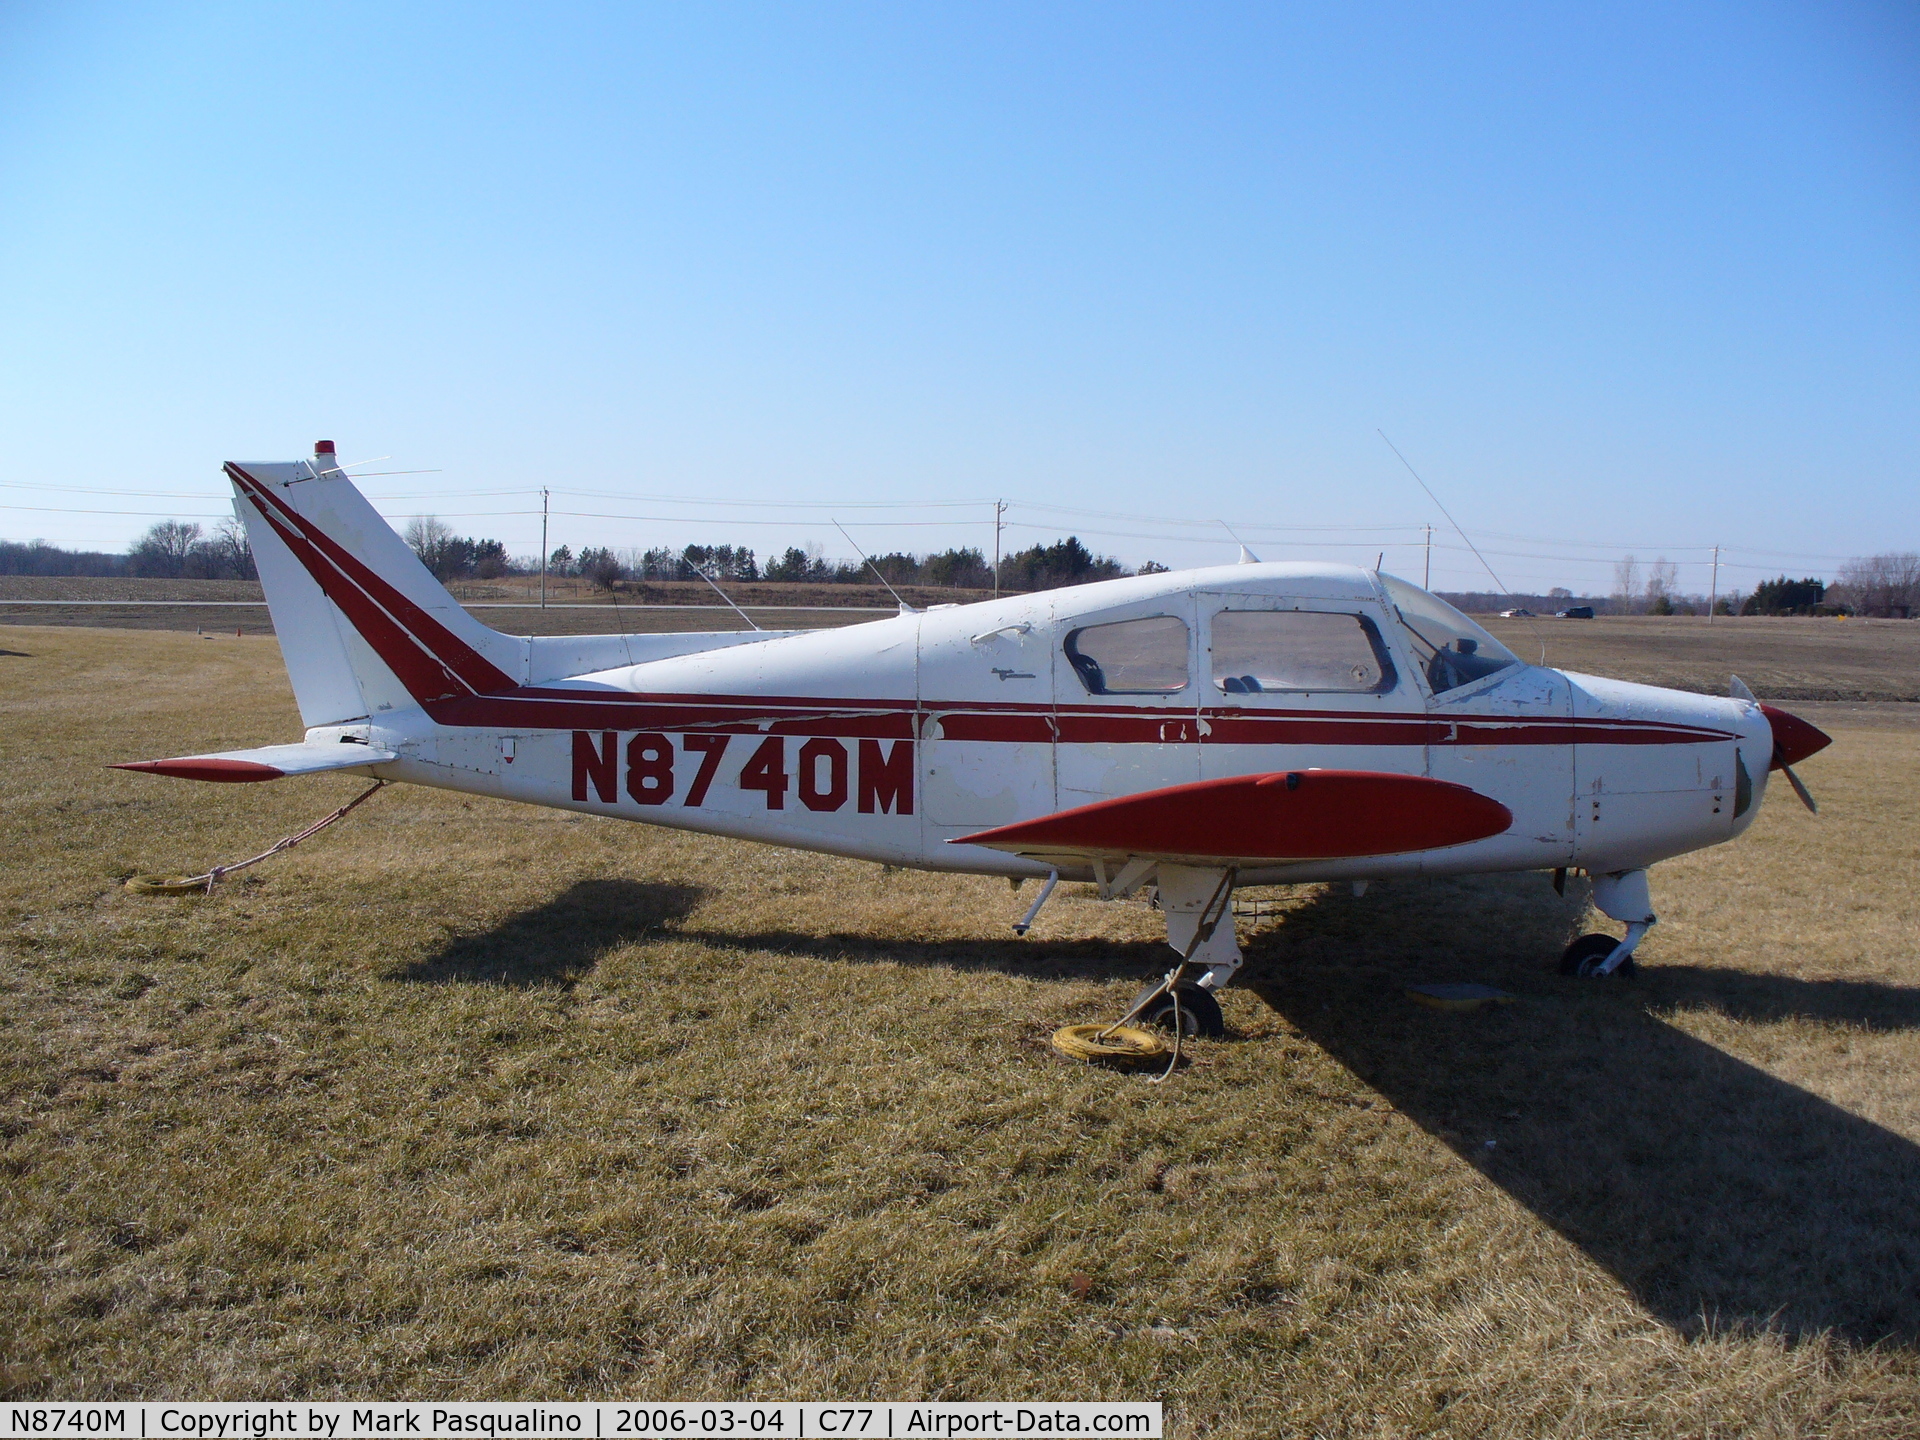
{"type": "Point", "coordinates": [268, 762]}
{"type": "Point", "coordinates": [1261, 819]}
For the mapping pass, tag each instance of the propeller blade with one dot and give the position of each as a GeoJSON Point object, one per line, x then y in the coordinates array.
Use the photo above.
{"type": "Point", "coordinates": [1799, 789]}
{"type": "Point", "coordinates": [1737, 688]}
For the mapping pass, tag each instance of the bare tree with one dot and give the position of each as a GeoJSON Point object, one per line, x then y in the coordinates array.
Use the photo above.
{"type": "Point", "coordinates": [1626, 584]}
{"type": "Point", "coordinates": [164, 549]}
{"type": "Point", "coordinates": [427, 535]}
{"type": "Point", "coordinates": [231, 550]}
{"type": "Point", "coordinates": [1884, 585]}
{"type": "Point", "coordinates": [1662, 576]}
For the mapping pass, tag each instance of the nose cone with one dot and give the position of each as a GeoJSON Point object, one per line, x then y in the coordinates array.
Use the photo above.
{"type": "Point", "coordinates": [1793, 738]}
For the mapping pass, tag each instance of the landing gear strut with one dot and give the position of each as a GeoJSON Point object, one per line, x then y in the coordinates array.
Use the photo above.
{"type": "Point", "coordinates": [1198, 905]}
{"type": "Point", "coordinates": [1622, 896]}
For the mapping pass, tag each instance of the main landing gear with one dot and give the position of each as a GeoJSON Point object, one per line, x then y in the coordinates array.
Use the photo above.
{"type": "Point", "coordinates": [1198, 904]}
{"type": "Point", "coordinates": [1187, 1007]}
{"type": "Point", "coordinates": [1621, 896]}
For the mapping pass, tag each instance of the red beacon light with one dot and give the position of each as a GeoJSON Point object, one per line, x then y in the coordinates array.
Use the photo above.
{"type": "Point", "coordinates": [323, 447]}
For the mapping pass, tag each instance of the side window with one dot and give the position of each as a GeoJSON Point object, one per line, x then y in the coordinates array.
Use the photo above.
{"type": "Point", "coordinates": [1131, 657]}
{"type": "Point", "coordinates": [1260, 650]}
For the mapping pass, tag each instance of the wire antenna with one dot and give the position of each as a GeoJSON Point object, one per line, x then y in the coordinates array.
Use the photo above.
{"type": "Point", "coordinates": [724, 596]}
{"type": "Point", "coordinates": [904, 606]}
{"type": "Point", "coordinates": [1503, 586]}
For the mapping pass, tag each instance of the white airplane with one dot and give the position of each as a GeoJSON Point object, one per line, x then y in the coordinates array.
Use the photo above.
{"type": "Point", "coordinates": [1189, 731]}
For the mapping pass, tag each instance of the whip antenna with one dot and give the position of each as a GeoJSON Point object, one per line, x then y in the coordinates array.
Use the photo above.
{"type": "Point", "coordinates": [724, 596]}
{"type": "Point", "coordinates": [1504, 588]}
{"type": "Point", "coordinates": [904, 606]}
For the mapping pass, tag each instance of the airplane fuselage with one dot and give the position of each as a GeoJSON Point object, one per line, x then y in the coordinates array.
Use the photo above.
{"type": "Point", "coordinates": [888, 740]}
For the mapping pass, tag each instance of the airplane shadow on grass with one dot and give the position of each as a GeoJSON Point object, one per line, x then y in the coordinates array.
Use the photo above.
{"type": "Point", "coordinates": [1723, 1198]}
{"type": "Point", "coordinates": [558, 942]}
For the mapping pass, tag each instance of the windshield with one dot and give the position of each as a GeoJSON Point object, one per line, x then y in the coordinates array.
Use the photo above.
{"type": "Point", "coordinates": [1453, 650]}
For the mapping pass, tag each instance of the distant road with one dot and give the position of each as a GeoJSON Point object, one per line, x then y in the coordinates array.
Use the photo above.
{"type": "Point", "coordinates": [573, 618]}
{"type": "Point", "coordinates": [604, 609]}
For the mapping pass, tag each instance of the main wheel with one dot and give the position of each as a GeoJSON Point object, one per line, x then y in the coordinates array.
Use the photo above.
{"type": "Point", "coordinates": [1585, 955]}
{"type": "Point", "coordinates": [1200, 1015]}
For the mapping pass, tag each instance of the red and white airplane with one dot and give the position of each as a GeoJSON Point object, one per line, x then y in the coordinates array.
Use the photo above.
{"type": "Point", "coordinates": [1192, 731]}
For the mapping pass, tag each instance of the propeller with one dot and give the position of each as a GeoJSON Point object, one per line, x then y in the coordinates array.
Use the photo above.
{"type": "Point", "coordinates": [1799, 789]}
{"type": "Point", "coordinates": [1793, 740]}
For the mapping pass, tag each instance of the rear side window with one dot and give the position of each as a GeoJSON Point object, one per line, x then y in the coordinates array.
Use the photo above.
{"type": "Point", "coordinates": [1131, 657]}
{"type": "Point", "coordinates": [1255, 651]}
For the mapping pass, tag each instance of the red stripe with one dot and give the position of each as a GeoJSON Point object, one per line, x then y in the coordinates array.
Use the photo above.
{"type": "Point", "coordinates": [473, 670]}
{"type": "Point", "coordinates": [641, 712]}
{"type": "Point", "coordinates": [549, 708]}
{"type": "Point", "coordinates": [425, 677]}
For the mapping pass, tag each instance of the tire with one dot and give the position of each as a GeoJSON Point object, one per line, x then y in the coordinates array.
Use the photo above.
{"type": "Point", "coordinates": [1588, 951]}
{"type": "Point", "coordinates": [1200, 1016]}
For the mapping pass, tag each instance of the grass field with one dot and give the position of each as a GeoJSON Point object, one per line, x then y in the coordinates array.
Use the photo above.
{"type": "Point", "coordinates": [466, 1099]}
{"type": "Point", "coordinates": [1782, 658]}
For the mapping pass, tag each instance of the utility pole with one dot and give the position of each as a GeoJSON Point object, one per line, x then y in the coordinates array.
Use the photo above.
{"type": "Point", "coordinates": [543, 547]}
{"type": "Point", "coordinates": [999, 509]}
{"type": "Point", "coordinates": [1713, 596]}
{"type": "Point", "coordinates": [1426, 582]}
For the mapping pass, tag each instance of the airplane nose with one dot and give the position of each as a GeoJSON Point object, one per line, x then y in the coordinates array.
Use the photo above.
{"type": "Point", "coordinates": [1793, 738]}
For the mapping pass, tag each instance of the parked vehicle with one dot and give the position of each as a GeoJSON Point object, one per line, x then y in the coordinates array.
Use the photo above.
{"type": "Point", "coordinates": [1574, 612]}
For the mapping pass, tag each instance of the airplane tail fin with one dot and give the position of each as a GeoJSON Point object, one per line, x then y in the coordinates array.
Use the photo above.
{"type": "Point", "coordinates": [363, 625]}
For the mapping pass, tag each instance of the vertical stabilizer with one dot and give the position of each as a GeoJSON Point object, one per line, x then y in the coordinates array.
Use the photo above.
{"type": "Point", "coordinates": [363, 625]}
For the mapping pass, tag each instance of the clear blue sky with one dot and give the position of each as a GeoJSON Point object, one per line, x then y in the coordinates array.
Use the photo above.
{"type": "Point", "coordinates": [1633, 276]}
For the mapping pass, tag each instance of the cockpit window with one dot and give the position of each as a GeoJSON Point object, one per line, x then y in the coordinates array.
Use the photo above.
{"type": "Point", "coordinates": [1131, 657]}
{"type": "Point", "coordinates": [1257, 651]}
{"type": "Point", "coordinates": [1453, 651]}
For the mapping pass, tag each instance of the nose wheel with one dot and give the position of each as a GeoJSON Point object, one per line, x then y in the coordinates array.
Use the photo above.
{"type": "Point", "coordinates": [1199, 1012]}
{"type": "Point", "coordinates": [1588, 956]}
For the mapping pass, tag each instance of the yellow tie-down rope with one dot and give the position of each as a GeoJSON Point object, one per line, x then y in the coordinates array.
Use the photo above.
{"type": "Point", "coordinates": [1125, 1044]}
{"type": "Point", "coordinates": [203, 884]}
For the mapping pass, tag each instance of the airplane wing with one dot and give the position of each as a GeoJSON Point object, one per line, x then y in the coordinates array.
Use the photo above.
{"type": "Point", "coordinates": [268, 762]}
{"type": "Point", "coordinates": [1260, 819]}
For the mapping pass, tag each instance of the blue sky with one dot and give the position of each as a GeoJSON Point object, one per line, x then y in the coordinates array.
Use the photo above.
{"type": "Point", "coordinates": [1635, 277]}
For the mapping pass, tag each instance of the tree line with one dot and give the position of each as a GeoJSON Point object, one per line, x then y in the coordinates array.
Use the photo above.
{"type": "Point", "coordinates": [1038, 567]}
{"type": "Point", "coordinates": [170, 550]}
{"type": "Point", "coordinates": [1885, 585]}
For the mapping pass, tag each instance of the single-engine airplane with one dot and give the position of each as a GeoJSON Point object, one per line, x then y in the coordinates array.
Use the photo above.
{"type": "Point", "coordinates": [1191, 731]}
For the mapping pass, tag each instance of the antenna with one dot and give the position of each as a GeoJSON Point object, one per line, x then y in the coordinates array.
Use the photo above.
{"type": "Point", "coordinates": [1247, 557]}
{"type": "Point", "coordinates": [724, 596]}
{"type": "Point", "coordinates": [1504, 588]}
{"type": "Point", "coordinates": [905, 608]}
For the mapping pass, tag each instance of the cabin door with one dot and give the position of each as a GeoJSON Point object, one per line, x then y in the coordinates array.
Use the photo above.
{"type": "Point", "coordinates": [986, 726]}
{"type": "Point", "coordinates": [1292, 683]}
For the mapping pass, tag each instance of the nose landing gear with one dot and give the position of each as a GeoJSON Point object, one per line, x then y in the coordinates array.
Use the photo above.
{"type": "Point", "coordinates": [1622, 896]}
{"type": "Point", "coordinates": [1586, 955]}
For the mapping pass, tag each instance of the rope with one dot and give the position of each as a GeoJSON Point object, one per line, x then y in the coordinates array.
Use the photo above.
{"type": "Point", "coordinates": [203, 884]}
{"type": "Point", "coordinates": [1124, 1044]}
{"type": "Point", "coordinates": [1128, 1043]}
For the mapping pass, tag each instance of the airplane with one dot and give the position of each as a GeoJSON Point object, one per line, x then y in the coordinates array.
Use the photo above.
{"type": "Point", "coordinates": [1183, 733]}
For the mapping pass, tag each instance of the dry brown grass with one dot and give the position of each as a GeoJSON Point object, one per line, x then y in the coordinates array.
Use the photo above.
{"type": "Point", "coordinates": [470, 1099]}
